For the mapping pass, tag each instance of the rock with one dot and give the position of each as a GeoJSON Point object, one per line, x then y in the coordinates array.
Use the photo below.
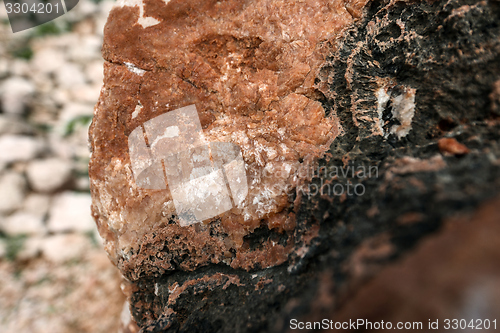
{"type": "Point", "coordinates": [22, 223]}
{"type": "Point", "coordinates": [86, 93]}
{"type": "Point", "coordinates": [263, 72]}
{"type": "Point", "coordinates": [31, 248]}
{"type": "Point", "coordinates": [15, 94]}
{"type": "Point", "coordinates": [70, 211]}
{"type": "Point", "coordinates": [19, 148]}
{"type": "Point", "coordinates": [85, 9]}
{"type": "Point", "coordinates": [74, 110]}
{"type": "Point", "coordinates": [48, 175]}
{"type": "Point", "coordinates": [61, 248]}
{"type": "Point", "coordinates": [10, 124]}
{"type": "Point", "coordinates": [94, 71]}
{"type": "Point", "coordinates": [37, 204]}
{"type": "Point", "coordinates": [69, 75]}
{"type": "Point", "coordinates": [47, 60]}
{"type": "Point", "coordinates": [63, 149]}
{"type": "Point", "coordinates": [339, 135]}
{"type": "Point", "coordinates": [12, 191]}
{"type": "Point", "coordinates": [87, 49]}
{"type": "Point", "coordinates": [82, 184]}
{"type": "Point", "coordinates": [20, 68]}
{"type": "Point", "coordinates": [102, 19]}
{"type": "Point", "coordinates": [127, 323]}
{"type": "Point", "coordinates": [62, 96]}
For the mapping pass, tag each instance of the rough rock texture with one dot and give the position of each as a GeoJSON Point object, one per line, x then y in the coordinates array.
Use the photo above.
{"type": "Point", "coordinates": [243, 64]}
{"type": "Point", "coordinates": [406, 98]}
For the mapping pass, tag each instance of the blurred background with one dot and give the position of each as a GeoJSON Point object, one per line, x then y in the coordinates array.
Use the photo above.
{"type": "Point", "coordinates": [54, 274]}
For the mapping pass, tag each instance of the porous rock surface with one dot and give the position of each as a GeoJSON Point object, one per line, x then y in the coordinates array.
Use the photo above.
{"type": "Point", "coordinates": [410, 89]}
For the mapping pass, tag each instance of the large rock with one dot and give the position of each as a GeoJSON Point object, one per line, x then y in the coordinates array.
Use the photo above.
{"type": "Point", "coordinates": [242, 68]}
{"type": "Point", "coordinates": [339, 110]}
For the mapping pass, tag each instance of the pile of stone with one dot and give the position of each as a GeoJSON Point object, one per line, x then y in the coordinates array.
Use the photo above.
{"type": "Point", "coordinates": [46, 105]}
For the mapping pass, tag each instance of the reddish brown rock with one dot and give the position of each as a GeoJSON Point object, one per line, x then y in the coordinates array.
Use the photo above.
{"type": "Point", "coordinates": [249, 69]}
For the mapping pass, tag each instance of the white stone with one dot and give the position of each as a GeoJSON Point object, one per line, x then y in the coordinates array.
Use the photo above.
{"type": "Point", "coordinates": [70, 211]}
{"type": "Point", "coordinates": [86, 8]}
{"type": "Point", "coordinates": [69, 75]}
{"type": "Point", "coordinates": [64, 247]}
{"type": "Point", "coordinates": [61, 96]}
{"type": "Point", "coordinates": [45, 85]}
{"type": "Point", "coordinates": [3, 15]}
{"type": "Point", "coordinates": [59, 43]}
{"type": "Point", "coordinates": [37, 204]}
{"type": "Point", "coordinates": [126, 316]}
{"type": "Point", "coordinates": [87, 48]}
{"type": "Point", "coordinates": [95, 71]}
{"type": "Point", "coordinates": [60, 147]}
{"type": "Point", "coordinates": [20, 68]}
{"type": "Point", "coordinates": [23, 223]}
{"type": "Point", "coordinates": [74, 110]}
{"type": "Point", "coordinates": [49, 174]}
{"type": "Point", "coordinates": [85, 93]}
{"type": "Point", "coordinates": [31, 248]}
{"type": "Point", "coordinates": [18, 148]}
{"type": "Point", "coordinates": [12, 124]}
{"type": "Point", "coordinates": [82, 183]}
{"type": "Point", "coordinates": [16, 93]}
{"type": "Point", "coordinates": [12, 190]}
{"type": "Point", "coordinates": [47, 60]}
